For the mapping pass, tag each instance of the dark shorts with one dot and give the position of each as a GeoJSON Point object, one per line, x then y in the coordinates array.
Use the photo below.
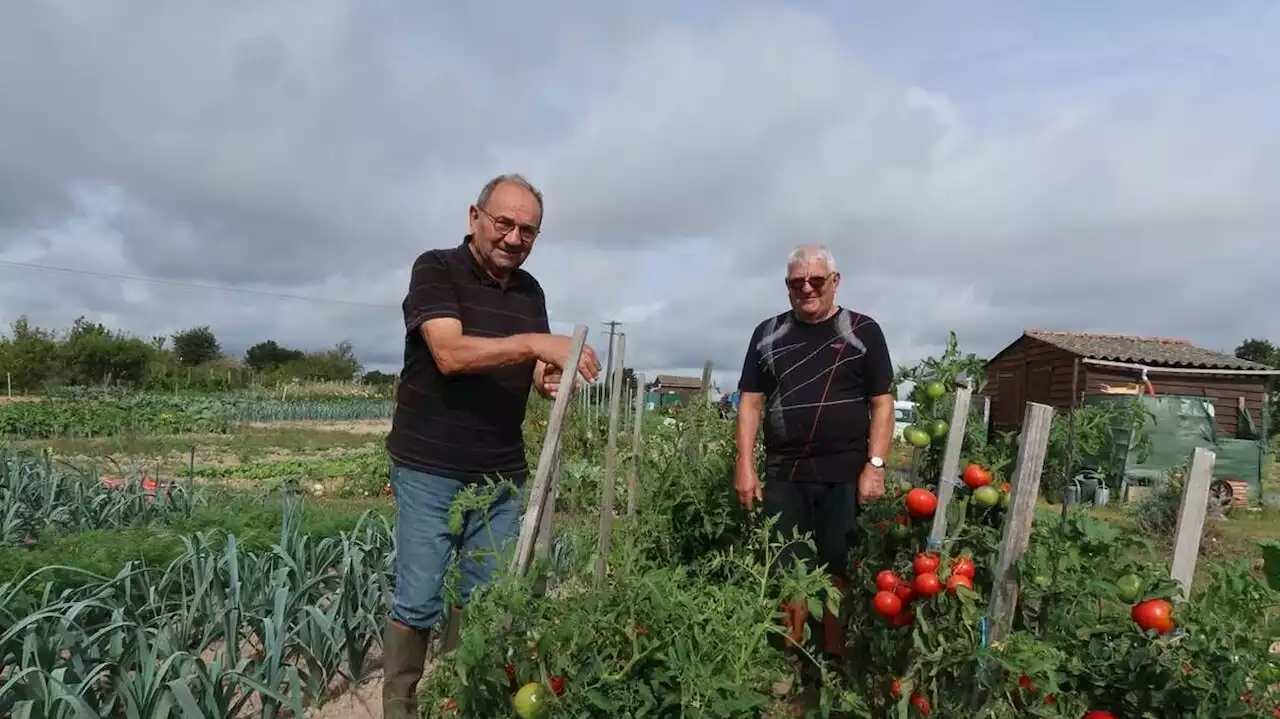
{"type": "Point", "coordinates": [827, 510]}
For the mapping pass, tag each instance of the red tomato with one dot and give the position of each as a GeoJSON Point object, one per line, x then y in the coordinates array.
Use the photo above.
{"type": "Point", "coordinates": [958, 580]}
{"type": "Point", "coordinates": [1026, 684]}
{"type": "Point", "coordinates": [962, 566]}
{"type": "Point", "coordinates": [887, 604]}
{"type": "Point", "coordinates": [921, 503]}
{"type": "Point", "coordinates": [557, 685]}
{"type": "Point", "coordinates": [904, 591]}
{"type": "Point", "coordinates": [1099, 714]}
{"type": "Point", "coordinates": [1154, 614]}
{"type": "Point", "coordinates": [976, 476]}
{"type": "Point", "coordinates": [511, 677]}
{"type": "Point", "coordinates": [927, 584]}
{"type": "Point", "coordinates": [448, 707]}
{"type": "Point", "coordinates": [896, 688]}
{"type": "Point", "coordinates": [926, 563]}
{"type": "Point", "coordinates": [903, 619]}
{"type": "Point", "coordinates": [887, 580]}
{"type": "Point", "coordinates": [921, 704]}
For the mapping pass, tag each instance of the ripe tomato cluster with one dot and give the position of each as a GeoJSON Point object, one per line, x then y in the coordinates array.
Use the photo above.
{"type": "Point", "coordinates": [894, 593]}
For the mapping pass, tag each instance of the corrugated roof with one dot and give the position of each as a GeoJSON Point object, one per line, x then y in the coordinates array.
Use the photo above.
{"type": "Point", "coordinates": [1154, 351]}
{"type": "Point", "coordinates": [676, 381]}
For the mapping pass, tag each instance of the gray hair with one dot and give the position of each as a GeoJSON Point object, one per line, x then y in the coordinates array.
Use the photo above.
{"type": "Point", "coordinates": [812, 253]}
{"type": "Point", "coordinates": [513, 178]}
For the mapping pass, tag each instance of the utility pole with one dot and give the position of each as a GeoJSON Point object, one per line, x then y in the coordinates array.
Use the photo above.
{"type": "Point", "coordinates": [608, 368]}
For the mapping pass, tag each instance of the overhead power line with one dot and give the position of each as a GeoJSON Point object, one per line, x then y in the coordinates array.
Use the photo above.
{"type": "Point", "coordinates": [193, 285]}
{"type": "Point", "coordinates": [203, 286]}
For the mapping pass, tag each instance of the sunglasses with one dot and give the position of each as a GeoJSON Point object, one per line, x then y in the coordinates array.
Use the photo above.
{"type": "Point", "coordinates": [796, 284]}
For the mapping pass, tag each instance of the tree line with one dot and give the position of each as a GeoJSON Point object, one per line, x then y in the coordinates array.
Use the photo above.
{"type": "Point", "coordinates": [36, 359]}
{"type": "Point", "coordinates": [1267, 353]}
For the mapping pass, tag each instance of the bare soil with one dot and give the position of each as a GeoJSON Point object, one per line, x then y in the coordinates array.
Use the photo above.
{"type": "Point", "coordinates": [360, 426]}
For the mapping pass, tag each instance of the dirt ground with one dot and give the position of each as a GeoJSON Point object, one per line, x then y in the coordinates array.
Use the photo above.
{"type": "Point", "coordinates": [365, 702]}
{"type": "Point", "coordinates": [359, 426]}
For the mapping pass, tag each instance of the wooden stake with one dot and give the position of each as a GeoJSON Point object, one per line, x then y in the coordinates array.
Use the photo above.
{"type": "Point", "coordinates": [610, 462]}
{"type": "Point", "coordinates": [637, 423]}
{"type": "Point", "coordinates": [529, 524]}
{"type": "Point", "coordinates": [542, 544]}
{"type": "Point", "coordinates": [950, 463]}
{"type": "Point", "coordinates": [1032, 446]}
{"type": "Point", "coordinates": [706, 381]}
{"type": "Point", "coordinates": [1195, 501]}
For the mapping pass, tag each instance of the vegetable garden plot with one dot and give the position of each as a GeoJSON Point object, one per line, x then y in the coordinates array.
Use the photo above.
{"type": "Point", "coordinates": [215, 633]}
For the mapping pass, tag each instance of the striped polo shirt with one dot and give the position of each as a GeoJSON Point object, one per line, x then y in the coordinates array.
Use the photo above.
{"type": "Point", "coordinates": [467, 426]}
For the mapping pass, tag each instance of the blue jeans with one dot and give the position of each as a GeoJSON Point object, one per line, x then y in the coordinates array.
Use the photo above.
{"type": "Point", "coordinates": [425, 545]}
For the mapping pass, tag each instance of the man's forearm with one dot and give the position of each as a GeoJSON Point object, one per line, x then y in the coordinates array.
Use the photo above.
{"type": "Point", "coordinates": [464, 354]}
{"type": "Point", "coordinates": [748, 428]}
{"type": "Point", "coordinates": [882, 419]}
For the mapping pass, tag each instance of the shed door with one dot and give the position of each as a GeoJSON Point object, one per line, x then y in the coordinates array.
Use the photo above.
{"type": "Point", "coordinates": [1039, 384]}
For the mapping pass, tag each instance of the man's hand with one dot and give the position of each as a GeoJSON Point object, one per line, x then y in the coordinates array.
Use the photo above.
{"type": "Point", "coordinates": [554, 351]}
{"type": "Point", "coordinates": [747, 483]}
{"type": "Point", "coordinates": [549, 382]}
{"type": "Point", "coordinates": [870, 484]}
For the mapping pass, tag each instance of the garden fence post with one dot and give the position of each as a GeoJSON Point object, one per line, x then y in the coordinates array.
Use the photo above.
{"type": "Point", "coordinates": [610, 461]}
{"type": "Point", "coordinates": [543, 476]}
{"type": "Point", "coordinates": [706, 382]}
{"type": "Point", "coordinates": [1195, 502]}
{"type": "Point", "coordinates": [637, 424]}
{"type": "Point", "coordinates": [951, 462]}
{"type": "Point", "coordinates": [1032, 446]}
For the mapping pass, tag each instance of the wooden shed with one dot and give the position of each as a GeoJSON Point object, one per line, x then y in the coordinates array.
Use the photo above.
{"type": "Point", "coordinates": [1050, 367]}
{"type": "Point", "coordinates": [669, 389]}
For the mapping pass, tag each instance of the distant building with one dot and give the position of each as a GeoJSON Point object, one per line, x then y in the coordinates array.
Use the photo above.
{"type": "Point", "coordinates": [670, 389]}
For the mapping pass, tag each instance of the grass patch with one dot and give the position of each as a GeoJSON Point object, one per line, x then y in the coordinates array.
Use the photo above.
{"type": "Point", "coordinates": [254, 520]}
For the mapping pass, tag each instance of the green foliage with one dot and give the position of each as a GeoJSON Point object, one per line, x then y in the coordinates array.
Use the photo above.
{"type": "Point", "coordinates": [196, 346]}
{"type": "Point", "coordinates": [362, 473]}
{"type": "Point", "coordinates": [90, 355]}
{"type": "Point", "coordinates": [1267, 353]}
{"type": "Point", "coordinates": [269, 355]}
{"type": "Point", "coordinates": [206, 634]}
{"type": "Point", "coordinates": [79, 413]}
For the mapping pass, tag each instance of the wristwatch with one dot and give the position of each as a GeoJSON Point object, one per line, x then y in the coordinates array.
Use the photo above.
{"type": "Point", "coordinates": [877, 462]}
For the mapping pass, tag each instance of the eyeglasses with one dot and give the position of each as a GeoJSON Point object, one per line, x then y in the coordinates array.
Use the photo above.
{"type": "Point", "coordinates": [504, 226]}
{"type": "Point", "coordinates": [796, 284]}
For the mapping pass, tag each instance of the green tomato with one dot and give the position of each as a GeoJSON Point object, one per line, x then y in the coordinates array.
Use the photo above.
{"type": "Point", "coordinates": [1043, 581]}
{"type": "Point", "coordinates": [899, 531]}
{"type": "Point", "coordinates": [986, 496]}
{"type": "Point", "coordinates": [939, 428]}
{"type": "Point", "coordinates": [529, 701]}
{"type": "Point", "coordinates": [1129, 588]}
{"type": "Point", "coordinates": [935, 390]}
{"type": "Point", "coordinates": [916, 437]}
{"type": "Point", "coordinates": [1005, 498]}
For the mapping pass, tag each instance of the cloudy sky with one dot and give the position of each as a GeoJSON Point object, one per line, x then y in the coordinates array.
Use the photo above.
{"type": "Point", "coordinates": [975, 166]}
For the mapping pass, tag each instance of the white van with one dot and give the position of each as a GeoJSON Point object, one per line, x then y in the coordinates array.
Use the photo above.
{"type": "Point", "coordinates": [904, 415]}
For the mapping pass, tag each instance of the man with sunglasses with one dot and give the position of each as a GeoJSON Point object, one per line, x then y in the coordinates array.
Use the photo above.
{"type": "Point", "coordinates": [477, 339]}
{"type": "Point", "coordinates": [821, 375]}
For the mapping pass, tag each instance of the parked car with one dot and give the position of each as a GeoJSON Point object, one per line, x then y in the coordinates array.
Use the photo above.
{"type": "Point", "coordinates": [904, 415]}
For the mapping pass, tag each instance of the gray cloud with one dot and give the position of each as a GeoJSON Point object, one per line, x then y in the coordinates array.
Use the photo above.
{"type": "Point", "coordinates": [317, 152]}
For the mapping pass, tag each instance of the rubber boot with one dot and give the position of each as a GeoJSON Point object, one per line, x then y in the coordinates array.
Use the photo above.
{"type": "Point", "coordinates": [404, 655]}
{"type": "Point", "coordinates": [795, 615]}
{"type": "Point", "coordinates": [452, 631]}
